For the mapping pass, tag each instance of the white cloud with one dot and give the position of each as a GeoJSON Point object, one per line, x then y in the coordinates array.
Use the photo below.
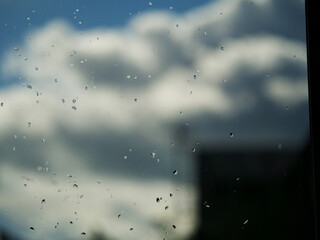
{"type": "Point", "coordinates": [94, 205]}
{"type": "Point", "coordinates": [287, 91]}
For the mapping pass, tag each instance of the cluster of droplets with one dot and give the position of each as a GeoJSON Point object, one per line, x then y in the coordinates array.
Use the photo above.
{"type": "Point", "coordinates": [76, 11]}
{"type": "Point", "coordinates": [74, 100]}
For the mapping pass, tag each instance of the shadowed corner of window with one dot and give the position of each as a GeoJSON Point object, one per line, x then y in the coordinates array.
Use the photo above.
{"type": "Point", "coordinates": [265, 193]}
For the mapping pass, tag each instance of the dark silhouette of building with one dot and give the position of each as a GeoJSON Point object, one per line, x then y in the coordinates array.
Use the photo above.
{"type": "Point", "coordinates": [248, 194]}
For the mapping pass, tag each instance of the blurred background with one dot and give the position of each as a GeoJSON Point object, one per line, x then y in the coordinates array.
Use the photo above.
{"type": "Point", "coordinates": [154, 120]}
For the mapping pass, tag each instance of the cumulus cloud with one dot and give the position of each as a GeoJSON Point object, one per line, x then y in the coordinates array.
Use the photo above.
{"type": "Point", "coordinates": [105, 103]}
{"type": "Point", "coordinates": [108, 205]}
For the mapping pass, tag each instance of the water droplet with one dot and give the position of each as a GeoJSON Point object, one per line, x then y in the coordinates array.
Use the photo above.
{"type": "Point", "coordinates": [172, 144]}
{"type": "Point", "coordinates": [231, 134]}
{"type": "Point", "coordinates": [43, 140]}
{"type": "Point", "coordinates": [1, 104]}
{"type": "Point", "coordinates": [174, 226]}
{"type": "Point", "coordinates": [28, 18]}
{"type": "Point", "coordinates": [153, 154]}
{"type": "Point", "coordinates": [136, 100]}
{"type": "Point", "coordinates": [14, 148]}
{"type": "Point", "coordinates": [29, 86]}
{"type": "Point", "coordinates": [75, 185]}
{"type": "Point", "coordinates": [170, 194]}
{"type": "Point", "coordinates": [204, 33]}
{"type": "Point", "coordinates": [36, 68]}
{"type": "Point", "coordinates": [194, 76]}
{"type": "Point", "coordinates": [86, 88]}
{"type": "Point", "coordinates": [128, 76]}
{"type": "Point", "coordinates": [157, 200]}
{"type": "Point", "coordinates": [222, 48]}
{"type": "Point", "coordinates": [177, 25]}
{"type": "Point", "coordinates": [237, 179]}
{"type": "Point", "coordinates": [170, 7]}
{"type": "Point", "coordinates": [150, 3]}
{"type": "Point", "coordinates": [71, 222]}
{"type": "Point", "coordinates": [166, 208]}
{"type": "Point", "coordinates": [16, 49]}
{"type": "Point", "coordinates": [193, 150]}
{"type": "Point", "coordinates": [29, 124]}
{"type": "Point", "coordinates": [125, 157]}
{"type": "Point", "coordinates": [43, 201]}
{"type": "Point", "coordinates": [31, 228]}
{"type": "Point", "coordinates": [245, 222]}
{"type": "Point", "coordinates": [83, 233]}
{"type": "Point", "coordinates": [206, 204]}
{"type": "Point", "coordinates": [62, 100]}
{"type": "Point", "coordinates": [74, 100]}
{"type": "Point", "coordinates": [267, 74]}
{"type": "Point", "coordinates": [175, 172]}
{"type": "Point", "coordinates": [80, 22]}
{"type": "Point", "coordinates": [74, 107]}
{"type": "Point", "coordinates": [131, 229]}
{"type": "Point", "coordinates": [25, 58]}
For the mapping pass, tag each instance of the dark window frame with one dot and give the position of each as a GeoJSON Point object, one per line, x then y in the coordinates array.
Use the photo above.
{"type": "Point", "coordinates": [313, 52]}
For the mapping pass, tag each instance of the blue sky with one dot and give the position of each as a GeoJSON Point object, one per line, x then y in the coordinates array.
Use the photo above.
{"type": "Point", "coordinates": [15, 26]}
{"type": "Point", "coordinates": [109, 13]}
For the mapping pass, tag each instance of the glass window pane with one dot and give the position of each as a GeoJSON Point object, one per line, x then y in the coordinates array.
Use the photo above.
{"type": "Point", "coordinates": [154, 120]}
